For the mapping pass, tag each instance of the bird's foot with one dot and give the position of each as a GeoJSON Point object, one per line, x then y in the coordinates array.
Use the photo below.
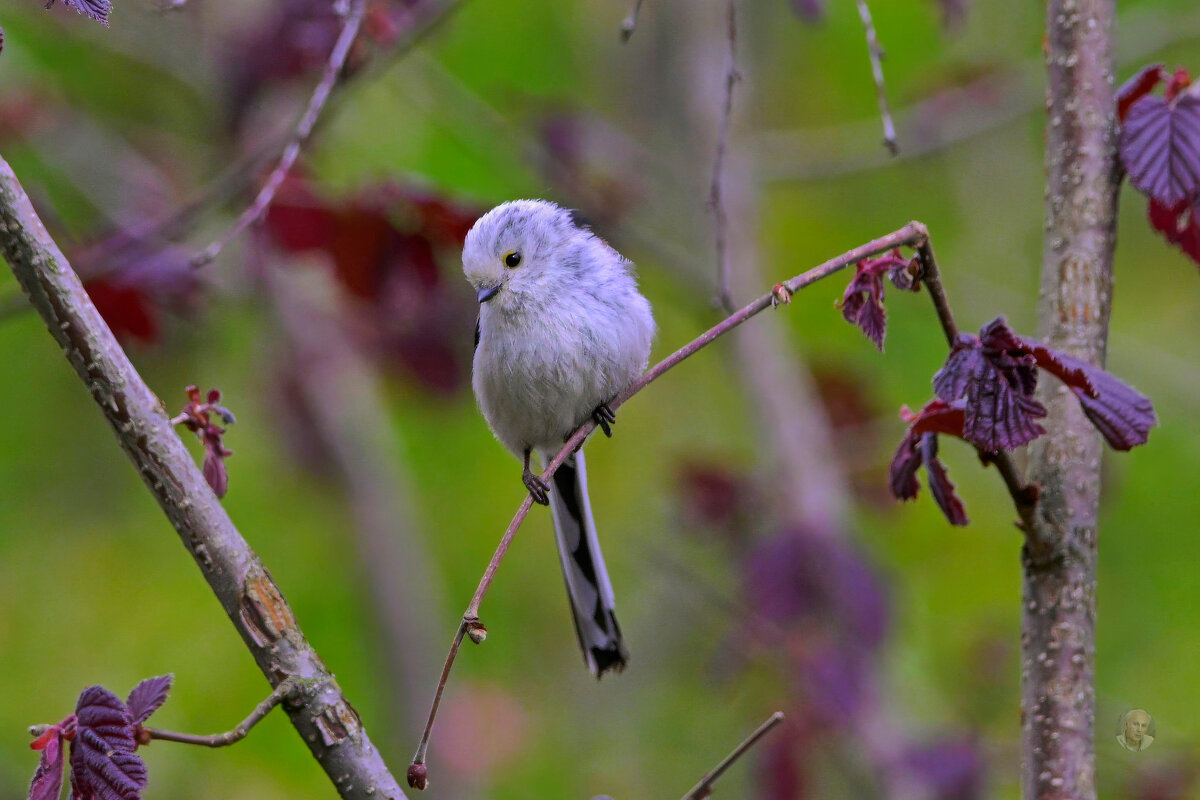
{"type": "Point", "coordinates": [605, 418]}
{"type": "Point", "coordinates": [538, 488]}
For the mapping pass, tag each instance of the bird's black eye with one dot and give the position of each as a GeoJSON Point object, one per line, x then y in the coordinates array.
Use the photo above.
{"type": "Point", "coordinates": [512, 259]}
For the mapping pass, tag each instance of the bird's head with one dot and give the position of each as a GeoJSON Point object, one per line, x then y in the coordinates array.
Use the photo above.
{"type": "Point", "coordinates": [514, 252]}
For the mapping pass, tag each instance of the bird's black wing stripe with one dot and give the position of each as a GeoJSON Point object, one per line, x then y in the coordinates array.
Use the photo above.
{"type": "Point", "coordinates": [478, 330]}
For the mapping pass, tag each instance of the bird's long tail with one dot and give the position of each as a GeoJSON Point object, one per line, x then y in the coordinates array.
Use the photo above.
{"type": "Point", "coordinates": [588, 587]}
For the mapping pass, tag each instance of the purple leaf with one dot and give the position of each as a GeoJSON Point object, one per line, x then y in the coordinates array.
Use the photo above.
{"type": "Point", "coordinates": [96, 9]}
{"type": "Point", "coordinates": [1160, 147]}
{"type": "Point", "coordinates": [997, 378]}
{"type": "Point", "coordinates": [919, 447]}
{"type": "Point", "coordinates": [103, 763]}
{"type": "Point", "coordinates": [862, 302]}
{"type": "Point", "coordinates": [902, 473]}
{"type": "Point", "coordinates": [47, 780]}
{"type": "Point", "coordinates": [1123, 415]}
{"type": "Point", "coordinates": [939, 482]}
{"type": "Point", "coordinates": [862, 305]}
{"type": "Point", "coordinates": [1138, 87]}
{"type": "Point", "coordinates": [1180, 224]}
{"type": "Point", "coordinates": [214, 466]}
{"type": "Point", "coordinates": [147, 696]}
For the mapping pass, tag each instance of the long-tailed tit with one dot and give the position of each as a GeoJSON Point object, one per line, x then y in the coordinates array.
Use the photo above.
{"type": "Point", "coordinates": [562, 330]}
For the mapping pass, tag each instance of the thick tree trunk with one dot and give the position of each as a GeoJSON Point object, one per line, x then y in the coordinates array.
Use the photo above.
{"type": "Point", "coordinates": [1059, 559]}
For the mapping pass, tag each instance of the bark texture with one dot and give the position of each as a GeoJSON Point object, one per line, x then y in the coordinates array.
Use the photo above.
{"type": "Point", "coordinates": [325, 720]}
{"type": "Point", "coordinates": [1059, 559]}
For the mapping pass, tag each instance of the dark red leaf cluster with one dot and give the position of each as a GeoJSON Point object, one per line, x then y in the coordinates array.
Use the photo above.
{"type": "Point", "coordinates": [862, 302]}
{"type": "Point", "coordinates": [1160, 149]}
{"type": "Point", "coordinates": [716, 498]}
{"type": "Point", "coordinates": [197, 417]}
{"type": "Point", "coordinates": [294, 39]}
{"type": "Point", "coordinates": [997, 377]}
{"type": "Point", "coordinates": [919, 448]}
{"type": "Point", "coordinates": [133, 281]}
{"type": "Point", "coordinates": [985, 395]}
{"type": "Point", "coordinates": [384, 245]}
{"type": "Point", "coordinates": [104, 734]}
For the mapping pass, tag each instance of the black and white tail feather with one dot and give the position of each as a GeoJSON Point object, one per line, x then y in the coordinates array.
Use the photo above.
{"type": "Point", "coordinates": [588, 587]}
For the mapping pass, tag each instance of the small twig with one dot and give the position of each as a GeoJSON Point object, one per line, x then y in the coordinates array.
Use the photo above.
{"type": "Point", "coordinates": [703, 789]}
{"type": "Point", "coordinates": [716, 190]}
{"type": "Point", "coordinates": [629, 24]}
{"type": "Point", "coordinates": [280, 693]}
{"type": "Point", "coordinates": [1024, 495]}
{"type": "Point", "coordinates": [333, 68]}
{"type": "Point", "coordinates": [911, 235]}
{"type": "Point", "coordinates": [876, 54]}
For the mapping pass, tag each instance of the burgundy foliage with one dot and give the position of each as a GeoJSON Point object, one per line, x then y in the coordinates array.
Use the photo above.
{"type": "Point", "coordinates": [384, 245]}
{"type": "Point", "coordinates": [104, 734]}
{"type": "Point", "coordinates": [197, 417]}
{"type": "Point", "coordinates": [134, 281]}
{"type": "Point", "coordinates": [997, 378]}
{"type": "Point", "coordinates": [813, 585]}
{"type": "Point", "coordinates": [294, 40]}
{"type": "Point", "coordinates": [985, 396]}
{"type": "Point", "coordinates": [919, 448]}
{"type": "Point", "coordinates": [1160, 149]}
{"type": "Point", "coordinates": [862, 302]}
{"type": "Point", "coordinates": [714, 497]}
{"type": "Point", "coordinates": [996, 373]}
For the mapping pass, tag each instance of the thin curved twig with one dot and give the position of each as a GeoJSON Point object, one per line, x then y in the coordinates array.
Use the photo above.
{"type": "Point", "coordinates": [913, 234]}
{"type": "Point", "coordinates": [291, 151]}
{"type": "Point", "coordinates": [876, 55]}
{"type": "Point", "coordinates": [716, 198]}
{"type": "Point", "coordinates": [703, 789]}
{"type": "Point", "coordinates": [280, 693]}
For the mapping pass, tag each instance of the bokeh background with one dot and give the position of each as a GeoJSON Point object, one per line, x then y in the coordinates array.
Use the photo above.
{"type": "Point", "coordinates": [759, 563]}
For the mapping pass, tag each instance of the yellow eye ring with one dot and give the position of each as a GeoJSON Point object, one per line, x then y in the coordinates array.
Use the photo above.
{"type": "Point", "coordinates": [512, 259]}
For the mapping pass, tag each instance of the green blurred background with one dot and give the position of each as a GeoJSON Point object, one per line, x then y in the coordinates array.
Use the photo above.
{"type": "Point", "coordinates": [107, 126]}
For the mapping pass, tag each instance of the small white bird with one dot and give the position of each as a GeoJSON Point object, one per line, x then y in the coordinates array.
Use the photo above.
{"type": "Point", "coordinates": [562, 330]}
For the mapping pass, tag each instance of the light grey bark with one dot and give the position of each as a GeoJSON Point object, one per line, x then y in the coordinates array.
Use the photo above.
{"type": "Point", "coordinates": [325, 720]}
{"type": "Point", "coordinates": [1059, 559]}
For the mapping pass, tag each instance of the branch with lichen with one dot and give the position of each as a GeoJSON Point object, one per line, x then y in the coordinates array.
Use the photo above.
{"type": "Point", "coordinates": [323, 717]}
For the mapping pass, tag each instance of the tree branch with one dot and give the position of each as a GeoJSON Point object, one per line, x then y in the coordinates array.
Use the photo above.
{"type": "Point", "coordinates": [716, 199]}
{"type": "Point", "coordinates": [911, 235]}
{"type": "Point", "coordinates": [629, 24]}
{"type": "Point", "coordinates": [1059, 558]}
{"type": "Point", "coordinates": [325, 720]}
{"type": "Point", "coordinates": [291, 151]}
{"type": "Point", "coordinates": [703, 789]}
{"type": "Point", "coordinates": [875, 52]}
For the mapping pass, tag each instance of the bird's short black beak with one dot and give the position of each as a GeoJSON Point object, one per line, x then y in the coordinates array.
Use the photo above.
{"type": "Point", "coordinates": [487, 293]}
